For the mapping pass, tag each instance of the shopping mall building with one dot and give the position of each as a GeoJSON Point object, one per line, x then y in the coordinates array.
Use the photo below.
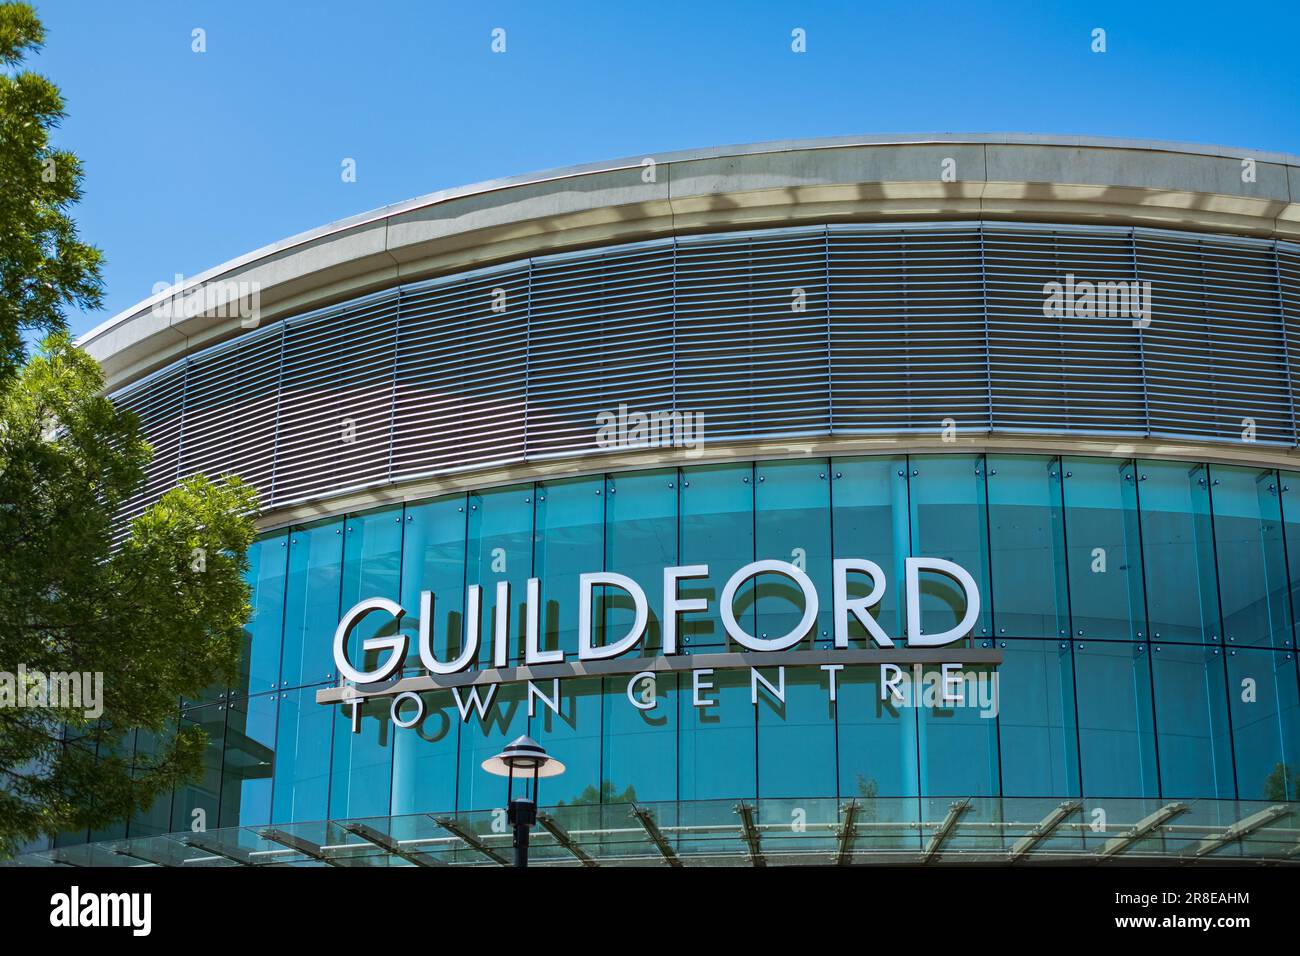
{"type": "Point", "coordinates": [923, 499]}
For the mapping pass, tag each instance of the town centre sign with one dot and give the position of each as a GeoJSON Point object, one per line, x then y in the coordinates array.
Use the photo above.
{"type": "Point", "coordinates": [613, 657]}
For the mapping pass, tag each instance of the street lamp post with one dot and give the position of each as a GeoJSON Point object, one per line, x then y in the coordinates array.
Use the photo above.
{"type": "Point", "coordinates": [524, 756]}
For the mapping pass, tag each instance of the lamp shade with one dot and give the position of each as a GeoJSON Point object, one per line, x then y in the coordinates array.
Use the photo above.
{"type": "Point", "coordinates": [523, 755]}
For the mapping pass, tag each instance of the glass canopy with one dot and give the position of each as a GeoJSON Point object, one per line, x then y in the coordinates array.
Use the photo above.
{"type": "Point", "coordinates": [819, 831]}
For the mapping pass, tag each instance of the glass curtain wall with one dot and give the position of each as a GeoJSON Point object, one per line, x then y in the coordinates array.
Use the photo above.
{"type": "Point", "coordinates": [1145, 611]}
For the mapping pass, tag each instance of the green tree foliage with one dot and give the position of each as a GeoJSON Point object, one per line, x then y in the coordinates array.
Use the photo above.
{"type": "Point", "coordinates": [159, 613]}
{"type": "Point", "coordinates": [44, 267]}
{"type": "Point", "coordinates": [160, 616]}
{"type": "Point", "coordinates": [1282, 784]}
{"type": "Point", "coordinates": [606, 794]}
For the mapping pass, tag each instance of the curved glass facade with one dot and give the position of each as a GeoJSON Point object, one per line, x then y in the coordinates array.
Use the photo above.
{"type": "Point", "coordinates": [1145, 610]}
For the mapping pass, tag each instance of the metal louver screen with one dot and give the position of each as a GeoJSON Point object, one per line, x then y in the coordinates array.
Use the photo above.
{"type": "Point", "coordinates": [854, 329]}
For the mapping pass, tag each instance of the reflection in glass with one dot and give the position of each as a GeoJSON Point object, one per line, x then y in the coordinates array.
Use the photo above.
{"type": "Point", "coordinates": [433, 559]}
{"type": "Point", "coordinates": [573, 736]}
{"type": "Point", "coordinates": [249, 762]}
{"type": "Point", "coordinates": [362, 768]}
{"type": "Point", "coordinates": [640, 541]}
{"type": "Point", "coordinates": [639, 749]}
{"type": "Point", "coordinates": [570, 540]}
{"type": "Point", "coordinates": [877, 738]}
{"type": "Point", "coordinates": [792, 524]}
{"type": "Point", "coordinates": [1178, 552]}
{"type": "Point", "coordinates": [1036, 725]}
{"type": "Point", "coordinates": [796, 738]}
{"type": "Point", "coordinates": [958, 743]}
{"type": "Point", "coordinates": [717, 507]}
{"type": "Point", "coordinates": [486, 736]}
{"type": "Point", "coordinates": [716, 759]}
{"type": "Point", "coordinates": [424, 757]}
{"type": "Point", "coordinates": [1265, 723]}
{"type": "Point", "coordinates": [1192, 722]}
{"type": "Point", "coordinates": [311, 611]}
{"type": "Point", "coordinates": [302, 758]}
{"type": "Point", "coordinates": [870, 521]}
{"type": "Point", "coordinates": [1252, 563]}
{"type": "Point", "coordinates": [199, 800]}
{"type": "Point", "coordinates": [1116, 737]}
{"type": "Point", "coordinates": [950, 520]}
{"type": "Point", "coordinates": [1104, 557]}
{"type": "Point", "coordinates": [1027, 544]}
{"type": "Point", "coordinates": [259, 659]}
{"type": "Point", "coordinates": [499, 547]}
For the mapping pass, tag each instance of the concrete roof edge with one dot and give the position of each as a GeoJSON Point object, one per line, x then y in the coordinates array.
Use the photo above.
{"type": "Point", "coordinates": [387, 212]}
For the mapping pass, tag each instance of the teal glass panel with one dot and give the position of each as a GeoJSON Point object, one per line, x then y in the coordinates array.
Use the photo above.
{"type": "Point", "coordinates": [1194, 739]}
{"type": "Point", "coordinates": [1263, 696]}
{"type": "Point", "coordinates": [1030, 593]}
{"type": "Point", "coordinates": [640, 746]}
{"type": "Point", "coordinates": [433, 559]}
{"type": "Point", "coordinates": [792, 523]}
{"type": "Point", "coordinates": [311, 611]}
{"type": "Point", "coordinates": [870, 521]}
{"type": "Point", "coordinates": [249, 761]}
{"type": "Point", "coordinates": [259, 657]}
{"type": "Point", "coordinates": [504, 718]}
{"type": "Point", "coordinates": [877, 738]}
{"type": "Point", "coordinates": [1178, 552]}
{"type": "Point", "coordinates": [640, 541]}
{"type": "Point", "coordinates": [958, 739]}
{"type": "Point", "coordinates": [156, 818]}
{"type": "Point", "coordinates": [949, 515]}
{"type": "Point", "coordinates": [570, 541]}
{"type": "Point", "coordinates": [1117, 749]}
{"type": "Point", "coordinates": [198, 802]}
{"type": "Point", "coordinates": [1038, 738]}
{"type": "Point", "coordinates": [1252, 558]}
{"type": "Point", "coordinates": [1291, 533]}
{"type": "Point", "coordinates": [424, 757]}
{"type": "Point", "coordinates": [361, 767]}
{"type": "Point", "coordinates": [717, 529]}
{"type": "Point", "coordinates": [572, 736]}
{"type": "Point", "coordinates": [372, 567]}
{"type": "Point", "coordinates": [1103, 550]}
{"type": "Point", "coordinates": [302, 757]}
{"type": "Point", "coordinates": [796, 738]}
{"type": "Point", "coordinates": [499, 547]}
{"type": "Point", "coordinates": [716, 760]}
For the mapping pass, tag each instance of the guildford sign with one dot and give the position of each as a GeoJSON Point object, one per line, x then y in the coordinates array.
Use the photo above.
{"type": "Point", "coordinates": [615, 657]}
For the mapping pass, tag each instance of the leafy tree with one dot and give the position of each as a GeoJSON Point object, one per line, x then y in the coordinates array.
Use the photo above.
{"type": "Point", "coordinates": [606, 794]}
{"type": "Point", "coordinates": [159, 615]}
{"type": "Point", "coordinates": [1282, 784]}
{"type": "Point", "coordinates": [43, 265]}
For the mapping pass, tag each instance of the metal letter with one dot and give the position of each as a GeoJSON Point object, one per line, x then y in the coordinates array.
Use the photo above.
{"type": "Point", "coordinates": [786, 641]}
{"type": "Point", "coordinates": [396, 643]}
{"type": "Point", "coordinates": [587, 652]}
{"type": "Point", "coordinates": [674, 604]}
{"type": "Point", "coordinates": [842, 604]}
{"type": "Point", "coordinates": [959, 574]}
{"type": "Point", "coordinates": [473, 605]}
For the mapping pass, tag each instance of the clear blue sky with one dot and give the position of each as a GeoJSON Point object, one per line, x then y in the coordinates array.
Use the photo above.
{"type": "Point", "coordinates": [193, 158]}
